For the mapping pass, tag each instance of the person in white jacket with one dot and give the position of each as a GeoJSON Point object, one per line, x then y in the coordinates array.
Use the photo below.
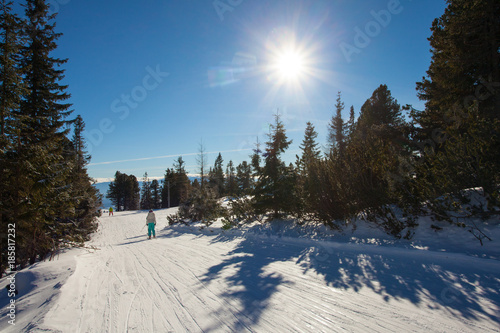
{"type": "Point", "coordinates": [151, 222]}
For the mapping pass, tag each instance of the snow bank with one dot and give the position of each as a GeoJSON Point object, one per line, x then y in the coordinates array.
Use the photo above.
{"type": "Point", "coordinates": [38, 286]}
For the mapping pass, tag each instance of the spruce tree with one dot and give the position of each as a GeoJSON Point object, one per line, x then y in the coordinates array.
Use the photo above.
{"type": "Point", "coordinates": [116, 191]}
{"type": "Point", "coordinates": [256, 159]}
{"type": "Point", "coordinates": [244, 179]}
{"type": "Point", "coordinates": [310, 149]}
{"type": "Point", "coordinates": [216, 177]}
{"type": "Point", "coordinates": [350, 126]}
{"type": "Point", "coordinates": [306, 164]}
{"type": "Point", "coordinates": [81, 156]}
{"type": "Point", "coordinates": [11, 89]}
{"type": "Point", "coordinates": [176, 185]}
{"type": "Point", "coordinates": [274, 191]}
{"type": "Point", "coordinates": [336, 128]}
{"type": "Point", "coordinates": [231, 185]}
{"type": "Point", "coordinates": [42, 166]}
{"type": "Point", "coordinates": [146, 195]}
{"type": "Point", "coordinates": [167, 189]}
{"type": "Point", "coordinates": [86, 197]}
{"type": "Point", "coordinates": [12, 86]}
{"type": "Point", "coordinates": [156, 194]}
{"type": "Point", "coordinates": [181, 179]}
{"type": "Point", "coordinates": [124, 192]}
{"type": "Point", "coordinates": [132, 193]}
{"type": "Point", "coordinates": [43, 103]}
{"type": "Point", "coordinates": [44, 184]}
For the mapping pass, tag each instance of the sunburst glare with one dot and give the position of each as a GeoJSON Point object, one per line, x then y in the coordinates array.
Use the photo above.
{"type": "Point", "coordinates": [289, 65]}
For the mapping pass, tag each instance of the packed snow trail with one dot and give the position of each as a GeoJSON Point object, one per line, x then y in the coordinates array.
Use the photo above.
{"type": "Point", "coordinates": [190, 279]}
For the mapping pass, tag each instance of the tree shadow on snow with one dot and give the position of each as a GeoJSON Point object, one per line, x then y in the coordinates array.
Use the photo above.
{"type": "Point", "coordinates": [250, 285]}
{"type": "Point", "coordinates": [458, 284]}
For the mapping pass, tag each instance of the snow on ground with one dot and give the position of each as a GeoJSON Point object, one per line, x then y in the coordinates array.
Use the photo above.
{"type": "Point", "coordinates": [260, 279]}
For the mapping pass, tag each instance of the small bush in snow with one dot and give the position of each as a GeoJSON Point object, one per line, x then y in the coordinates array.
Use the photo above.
{"type": "Point", "coordinates": [240, 211]}
{"type": "Point", "coordinates": [202, 205]}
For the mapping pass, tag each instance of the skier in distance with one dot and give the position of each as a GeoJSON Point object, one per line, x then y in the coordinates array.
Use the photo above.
{"type": "Point", "coordinates": [151, 222]}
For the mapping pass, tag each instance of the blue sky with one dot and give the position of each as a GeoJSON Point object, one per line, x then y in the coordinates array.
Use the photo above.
{"type": "Point", "coordinates": [152, 79]}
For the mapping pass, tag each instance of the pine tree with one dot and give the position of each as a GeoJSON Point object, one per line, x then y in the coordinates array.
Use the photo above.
{"type": "Point", "coordinates": [81, 157]}
{"type": "Point", "coordinates": [132, 193]}
{"type": "Point", "coordinates": [380, 114]}
{"type": "Point", "coordinates": [156, 194]}
{"type": "Point", "coordinates": [176, 185]}
{"type": "Point", "coordinates": [465, 65]}
{"type": "Point", "coordinates": [44, 183]}
{"type": "Point", "coordinates": [124, 192]}
{"type": "Point", "coordinates": [167, 189]}
{"type": "Point", "coordinates": [244, 179]}
{"type": "Point", "coordinates": [43, 103]}
{"type": "Point", "coordinates": [378, 152]}
{"type": "Point", "coordinates": [12, 87]}
{"type": "Point", "coordinates": [116, 191]}
{"type": "Point", "coordinates": [86, 198]}
{"type": "Point", "coordinates": [274, 190]}
{"type": "Point", "coordinates": [457, 133]}
{"type": "Point", "coordinates": [306, 164]}
{"type": "Point", "coordinates": [181, 180]}
{"type": "Point", "coordinates": [256, 159]}
{"type": "Point", "coordinates": [350, 126]}
{"type": "Point", "coordinates": [216, 177]}
{"type": "Point", "coordinates": [310, 149]}
{"type": "Point", "coordinates": [42, 166]}
{"type": "Point", "coordinates": [336, 129]}
{"type": "Point", "coordinates": [146, 195]}
{"type": "Point", "coordinates": [231, 185]}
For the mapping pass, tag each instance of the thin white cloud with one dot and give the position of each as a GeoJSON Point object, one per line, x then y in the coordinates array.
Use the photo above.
{"type": "Point", "coordinates": [167, 156]}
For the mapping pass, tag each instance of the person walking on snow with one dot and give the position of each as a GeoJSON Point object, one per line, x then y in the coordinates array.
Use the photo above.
{"type": "Point", "coordinates": [151, 222]}
{"type": "Point", "coordinates": [110, 211]}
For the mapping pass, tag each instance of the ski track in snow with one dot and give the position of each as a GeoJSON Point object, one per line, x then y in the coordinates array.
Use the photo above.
{"type": "Point", "coordinates": [191, 280]}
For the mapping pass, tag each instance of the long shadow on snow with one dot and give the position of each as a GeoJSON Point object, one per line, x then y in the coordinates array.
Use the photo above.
{"type": "Point", "coordinates": [138, 239]}
{"type": "Point", "coordinates": [251, 285]}
{"type": "Point", "coordinates": [457, 283]}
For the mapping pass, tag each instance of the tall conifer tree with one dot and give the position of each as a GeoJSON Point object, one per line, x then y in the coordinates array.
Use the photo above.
{"type": "Point", "coordinates": [42, 167]}
{"type": "Point", "coordinates": [216, 177]}
{"type": "Point", "coordinates": [11, 90]}
{"type": "Point", "coordinates": [465, 65]}
{"type": "Point", "coordinates": [274, 189]}
{"type": "Point", "coordinates": [457, 133]}
{"type": "Point", "coordinates": [336, 128]}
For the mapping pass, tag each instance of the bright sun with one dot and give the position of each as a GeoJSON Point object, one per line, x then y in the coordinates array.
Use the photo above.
{"type": "Point", "coordinates": [290, 62]}
{"type": "Point", "coordinates": [289, 65]}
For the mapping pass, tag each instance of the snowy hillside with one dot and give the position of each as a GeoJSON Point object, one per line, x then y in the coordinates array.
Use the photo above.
{"type": "Point", "coordinates": [260, 279]}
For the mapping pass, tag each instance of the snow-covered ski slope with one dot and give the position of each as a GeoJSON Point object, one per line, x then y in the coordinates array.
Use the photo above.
{"type": "Point", "coordinates": [204, 280]}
